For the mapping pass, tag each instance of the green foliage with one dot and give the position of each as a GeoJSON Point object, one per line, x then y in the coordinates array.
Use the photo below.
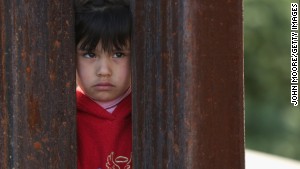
{"type": "Point", "coordinates": [272, 122]}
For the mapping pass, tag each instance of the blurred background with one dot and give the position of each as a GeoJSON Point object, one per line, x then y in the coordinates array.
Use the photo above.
{"type": "Point", "coordinates": [272, 122]}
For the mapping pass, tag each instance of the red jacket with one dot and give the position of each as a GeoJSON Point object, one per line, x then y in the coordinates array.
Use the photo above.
{"type": "Point", "coordinates": [104, 140]}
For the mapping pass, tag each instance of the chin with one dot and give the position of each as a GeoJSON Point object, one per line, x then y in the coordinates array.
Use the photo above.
{"type": "Point", "coordinates": [104, 99]}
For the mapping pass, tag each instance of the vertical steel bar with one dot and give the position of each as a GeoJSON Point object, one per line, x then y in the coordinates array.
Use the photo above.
{"type": "Point", "coordinates": [37, 85]}
{"type": "Point", "coordinates": [188, 104]}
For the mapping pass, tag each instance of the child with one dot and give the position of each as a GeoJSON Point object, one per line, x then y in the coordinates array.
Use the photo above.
{"type": "Point", "coordinates": [104, 132]}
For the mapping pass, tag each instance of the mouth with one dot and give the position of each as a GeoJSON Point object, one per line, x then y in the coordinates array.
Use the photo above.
{"type": "Point", "coordinates": [103, 86]}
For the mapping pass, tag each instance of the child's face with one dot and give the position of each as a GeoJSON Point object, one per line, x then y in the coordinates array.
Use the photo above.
{"type": "Point", "coordinates": [101, 75]}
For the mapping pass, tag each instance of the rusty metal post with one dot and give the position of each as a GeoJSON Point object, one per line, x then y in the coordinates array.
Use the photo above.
{"type": "Point", "coordinates": [188, 104]}
{"type": "Point", "coordinates": [37, 85]}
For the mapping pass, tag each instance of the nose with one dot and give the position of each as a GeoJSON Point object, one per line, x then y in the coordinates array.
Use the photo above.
{"type": "Point", "coordinates": [103, 67]}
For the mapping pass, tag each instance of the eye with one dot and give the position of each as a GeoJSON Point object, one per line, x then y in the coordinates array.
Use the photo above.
{"type": "Point", "coordinates": [118, 55]}
{"type": "Point", "coordinates": [89, 55]}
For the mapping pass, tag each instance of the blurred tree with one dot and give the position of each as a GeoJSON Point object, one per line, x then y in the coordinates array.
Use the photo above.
{"type": "Point", "coordinates": [272, 122]}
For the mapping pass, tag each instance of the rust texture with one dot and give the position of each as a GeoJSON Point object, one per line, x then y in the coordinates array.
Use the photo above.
{"type": "Point", "coordinates": [188, 104]}
{"type": "Point", "coordinates": [37, 85]}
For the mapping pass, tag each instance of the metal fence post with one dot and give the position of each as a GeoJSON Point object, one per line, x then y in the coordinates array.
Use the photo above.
{"type": "Point", "coordinates": [188, 101]}
{"type": "Point", "coordinates": [37, 85]}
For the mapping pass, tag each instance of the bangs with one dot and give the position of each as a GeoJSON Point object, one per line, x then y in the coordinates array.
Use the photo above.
{"type": "Point", "coordinates": [110, 26]}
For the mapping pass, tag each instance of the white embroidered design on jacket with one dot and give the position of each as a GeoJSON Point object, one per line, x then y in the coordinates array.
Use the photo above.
{"type": "Point", "coordinates": [118, 162]}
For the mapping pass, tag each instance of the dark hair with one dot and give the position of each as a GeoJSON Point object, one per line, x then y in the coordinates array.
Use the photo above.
{"type": "Point", "coordinates": [105, 21]}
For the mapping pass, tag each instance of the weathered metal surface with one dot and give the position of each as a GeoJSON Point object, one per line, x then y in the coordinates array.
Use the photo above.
{"type": "Point", "coordinates": [37, 85]}
{"type": "Point", "coordinates": [188, 104]}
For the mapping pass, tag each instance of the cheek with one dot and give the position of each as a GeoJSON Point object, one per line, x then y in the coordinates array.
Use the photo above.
{"type": "Point", "coordinates": [82, 72]}
{"type": "Point", "coordinates": [79, 71]}
{"type": "Point", "coordinates": [127, 72]}
{"type": "Point", "coordinates": [124, 75]}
